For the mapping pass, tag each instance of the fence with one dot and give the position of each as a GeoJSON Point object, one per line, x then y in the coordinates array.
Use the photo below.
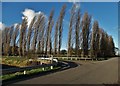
{"type": "Point", "coordinates": [77, 58]}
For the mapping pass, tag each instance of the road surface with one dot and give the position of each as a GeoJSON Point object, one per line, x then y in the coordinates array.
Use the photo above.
{"type": "Point", "coordinates": [89, 72]}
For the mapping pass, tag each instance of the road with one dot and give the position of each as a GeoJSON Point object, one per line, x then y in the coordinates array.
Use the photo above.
{"type": "Point", "coordinates": [89, 72]}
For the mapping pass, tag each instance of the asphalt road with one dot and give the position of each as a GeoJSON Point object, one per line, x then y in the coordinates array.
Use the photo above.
{"type": "Point", "coordinates": [89, 72]}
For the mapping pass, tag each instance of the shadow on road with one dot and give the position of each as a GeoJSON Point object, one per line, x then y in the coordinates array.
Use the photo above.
{"type": "Point", "coordinates": [64, 66]}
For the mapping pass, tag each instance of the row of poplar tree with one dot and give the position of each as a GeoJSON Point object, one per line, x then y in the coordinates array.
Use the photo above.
{"type": "Point", "coordinates": [84, 38]}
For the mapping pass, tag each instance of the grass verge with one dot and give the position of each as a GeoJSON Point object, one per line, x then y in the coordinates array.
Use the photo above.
{"type": "Point", "coordinates": [28, 73]}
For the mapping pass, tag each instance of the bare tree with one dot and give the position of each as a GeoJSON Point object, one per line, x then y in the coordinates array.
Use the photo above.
{"type": "Point", "coordinates": [14, 37]}
{"type": "Point", "coordinates": [102, 43]}
{"type": "Point", "coordinates": [72, 18]}
{"type": "Point", "coordinates": [30, 28]}
{"type": "Point", "coordinates": [41, 34]}
{"type": "Point", "coordinates": [50, 39]}
{"type": "Point", "coordinates": [95, 40]}
{"type": "Point", "coordinates": [48, 31]}
{"type": "Point", "coordinates": [98, 42]}
{"type": "Point", "coordinates": [4, 40]}
{"type": "Point", "coordinates": [9, 37]}
{"type": "Point", "coordinates": [42, 40]}
{"type": "Point", "coordinates": [62, 13]}
{"type": "Point", "coordinates": [56, 38]}
{"type": "Point", "coordinates": [86, 21]}
{"type": "Point", "coordinates": [22, 35]}
{"type": "Point", "coordinates": [24, 44]}
{"type": "Point", "coordinates": [77, 32]}
{"type": "Point", "coordinates": [106, 43]}
{"type": "Point", "coordinates": [111, 46]}
{"type": "Point", "coordinates": [37, 29]}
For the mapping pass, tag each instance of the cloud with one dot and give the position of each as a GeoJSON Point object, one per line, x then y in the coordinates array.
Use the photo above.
{"type": "Point", "coordinates": [2, 26]}
{"type": "Point", "coordinates": [30, 14]}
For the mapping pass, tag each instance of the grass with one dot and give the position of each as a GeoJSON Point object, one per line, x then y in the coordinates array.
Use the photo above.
{"type": "Point", "coordinates": [19, 61]}
{"type": "Point", "coordinates": [15, 61]}
{"type": "Point", "coordinates": [22, 62]}
{"type": "Point", "coordinates": [30, 72]}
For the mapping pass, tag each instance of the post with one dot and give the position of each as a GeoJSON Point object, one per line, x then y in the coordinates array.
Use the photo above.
{"type": "Point", "coordinates": [51, 67]}
{"type": "Point", "coordinates": [76, 58]}
{"type": "Point", "coordinates": [43, 68]}
{"type": "Point", "coordinates": [24, 72]}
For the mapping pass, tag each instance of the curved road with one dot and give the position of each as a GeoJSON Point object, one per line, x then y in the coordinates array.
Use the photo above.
{"type": "Point", "coordinates": [89, 72]}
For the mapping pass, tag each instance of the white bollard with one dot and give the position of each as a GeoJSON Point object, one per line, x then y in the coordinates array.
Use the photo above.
{"type": "Point", "coordinates": [51, 67]}
{"type": "Point", "coordinates": [43, 68]}
{"type": "Point", "coordinates": [76, 58]}
{"type": "Point", "coordinates": [24, 72]}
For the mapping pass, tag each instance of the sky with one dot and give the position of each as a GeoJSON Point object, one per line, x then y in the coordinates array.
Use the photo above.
{"type": "Point", "coordinates": [106, 13]}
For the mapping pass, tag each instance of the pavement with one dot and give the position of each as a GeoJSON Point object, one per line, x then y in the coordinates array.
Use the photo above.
{"type": "Point", "coordinates": [84, 72]}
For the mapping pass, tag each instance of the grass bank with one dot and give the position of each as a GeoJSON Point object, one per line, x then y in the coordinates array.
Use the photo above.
{"type": "Point", "coordinates": [21, 61]}
{"type": "Point", "coordinates": [18, 75]}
